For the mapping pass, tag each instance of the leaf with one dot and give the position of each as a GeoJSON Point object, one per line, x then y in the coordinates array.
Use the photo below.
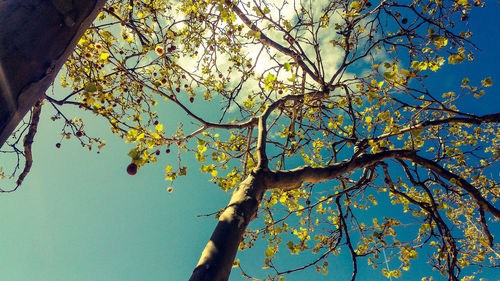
{"type": "Point", "coordinates": [456, 58]}
{"type": "Point", "coordinates": [270, 251]}
{"type": "Point", "coordinates": [270, 78]}
{"type": "Point", "coordinates": [104, 56]}
{"type": "Point", "coordinates": [389, 75]}
{"type": "Point", "coordinates": [168, 168]}
{"type": "Point", "coordinates": [405, 72]}
{"type": "Point", "coordinates": [90, 87]}
{"type": "Point", "coordinates": [287, 66]}
{"type": "Point", "coordinates": [355, 5]}
{"type": "Point", "coordinates": [134, 154]}
{"type": "Point", "coordinates": [487, 82]}
{"type": "Point", "coordinates": [214, 173]}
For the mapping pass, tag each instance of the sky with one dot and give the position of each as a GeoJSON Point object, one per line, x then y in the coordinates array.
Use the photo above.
{"type": "Point", "coordinates": [80, 216]}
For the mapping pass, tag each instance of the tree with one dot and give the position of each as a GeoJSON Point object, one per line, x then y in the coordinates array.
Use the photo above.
{"type": "Point", "coordinates": [338, 86]}
{"type": "Point", "coordinates": [30, 62]}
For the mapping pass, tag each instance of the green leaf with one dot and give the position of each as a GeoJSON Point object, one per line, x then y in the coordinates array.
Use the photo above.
{"type": "Point", "coordinates": [389, 75]}
{"type": "Point", "coordinates": [134, 154]}
{"type": "Point", "coordinates": [355, 5]}
{"type": "Point", "coordinates": [287, 66]}
{"type": "Point", "coordinates": [90, 87]}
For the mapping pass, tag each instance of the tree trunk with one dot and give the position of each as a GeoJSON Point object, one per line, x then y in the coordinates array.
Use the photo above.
{"type": "Point", "coordinates": [217, 258]}
{"type": "Point", "coordinates": [36, 39]}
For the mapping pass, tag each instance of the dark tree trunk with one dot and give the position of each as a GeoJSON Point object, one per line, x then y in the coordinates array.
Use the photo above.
{"type": "Point", "coordinates": [36, 39]}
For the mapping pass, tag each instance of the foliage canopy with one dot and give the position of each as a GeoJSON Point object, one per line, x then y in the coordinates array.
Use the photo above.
{"type": "Point", "coordinates": [338, 88]}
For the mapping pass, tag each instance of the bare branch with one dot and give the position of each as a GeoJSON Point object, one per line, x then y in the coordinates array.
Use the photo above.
{"type": "Point", "coordinates": [28, 141]}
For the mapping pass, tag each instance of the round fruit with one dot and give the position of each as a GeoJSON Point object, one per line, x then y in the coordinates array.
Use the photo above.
{"type": "Point", "coordinates": [79, 134]}
{"type": "Point", "coordinates": [168, 150]}
{"type": "Point", "coordinates": [58, 145]}
{"type": "Point", "coordinates": [132, 169]}
{"type": "Point", "coordinates": [170, 189]}
{"type": "Point", "coordinates": [404, 21]}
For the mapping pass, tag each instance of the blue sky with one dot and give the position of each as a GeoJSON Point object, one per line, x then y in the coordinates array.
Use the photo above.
{"type": "Point", "coordinates": [79, 216]}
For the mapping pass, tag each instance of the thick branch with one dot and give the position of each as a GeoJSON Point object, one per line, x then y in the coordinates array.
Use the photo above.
{"type": "Point", "coordinates": [291, 179]}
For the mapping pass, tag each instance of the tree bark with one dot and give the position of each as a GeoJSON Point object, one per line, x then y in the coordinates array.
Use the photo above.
{"type": "Point", "coordinates": [37, 38]}
{"type": "Point", "coordinates": [217, 258]}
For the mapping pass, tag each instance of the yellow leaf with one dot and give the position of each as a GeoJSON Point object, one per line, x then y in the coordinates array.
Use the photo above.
{"type": "Point", "coordinates": [104, 56]}
{"type": "Point", "coordinates": [214, 173]}
{"type": "Point", "coordinates": [168, 168]}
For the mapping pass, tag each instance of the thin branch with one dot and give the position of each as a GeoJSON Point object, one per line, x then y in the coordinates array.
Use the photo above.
{"type": "Point", "coordinates": [478, 120]}
{"type": "Point", "coordinates": [471, 190]}
{"type": "Point", "coordinates": [28, 141]}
